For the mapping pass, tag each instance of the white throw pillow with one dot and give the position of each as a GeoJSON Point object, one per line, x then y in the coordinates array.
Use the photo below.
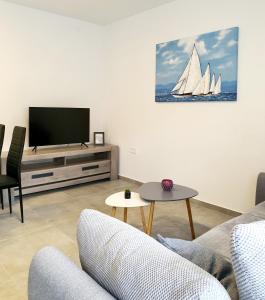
{"type": "Point", "coordinates": [248, 259]}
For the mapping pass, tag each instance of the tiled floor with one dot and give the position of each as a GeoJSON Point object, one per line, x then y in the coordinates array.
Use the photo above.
{"type": "Point", "coordinates": [51, 219]}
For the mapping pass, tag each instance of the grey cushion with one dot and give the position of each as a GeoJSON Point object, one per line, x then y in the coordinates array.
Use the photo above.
{"type": "Point", "coordinates": [207, 259]}
{"type": "Point", "coordinates": [218, 238]}
{"type": "Point", "coordinates": [53, 276]}
{"type": "Point", "coordinates": [248, 258]}
{"type": "Point", "coordinates": [132, 265]}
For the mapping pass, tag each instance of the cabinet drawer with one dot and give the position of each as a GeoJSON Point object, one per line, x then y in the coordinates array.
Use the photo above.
{"type": "Point", "coordinates": [64, 173]}
{"type": "Point", "coordinates": [95, 168]}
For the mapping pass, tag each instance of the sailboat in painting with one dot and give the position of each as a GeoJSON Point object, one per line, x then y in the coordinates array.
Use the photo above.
{"type": "Point", "coordinates": [193, 83]}
{"type": "Point", "coordinates": [212, 87]}
{"type": "Point", "coordinates": [218, 86]}
{"type": "Point", "coordinates": [203, 87]}
{"type": "Point", "coordinates": [190, 77]}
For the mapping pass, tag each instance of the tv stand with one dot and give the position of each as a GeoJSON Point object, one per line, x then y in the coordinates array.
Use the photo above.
{"type": "Point", "coordinates": [53, 168]}
{"type": "Point", "coordinates": [84, 144]}
{"type": "Point", "coordinates": [34, 149]}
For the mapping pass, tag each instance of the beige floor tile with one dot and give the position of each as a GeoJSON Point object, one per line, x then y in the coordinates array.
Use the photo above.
{"type": "Point", "coordinates": [51, 219]}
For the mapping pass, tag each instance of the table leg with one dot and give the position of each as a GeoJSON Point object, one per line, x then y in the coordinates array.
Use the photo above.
{"type": "Point", "coordinates": [190, 218]}
{"type": "Point", "coordinates": [113, 212]}
{"type": "Point", "coordinates": [125, 214]}
{"type": "Point", "coordinates": [150, 219]}
{"type": "Point", "coordinates": [143, 218]}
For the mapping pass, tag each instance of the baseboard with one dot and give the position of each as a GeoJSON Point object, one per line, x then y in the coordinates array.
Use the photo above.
{"type": "Point", "coordinates": [195, 201]}
{"type": "Point", "coordinates": [130, 180]}
{"type": "Point", "coordinates": [226, 211]}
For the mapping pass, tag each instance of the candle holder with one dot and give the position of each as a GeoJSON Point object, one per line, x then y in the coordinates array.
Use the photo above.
{"type": "Point", "coordinates": [167, 184]}
{"type": "Point", "coordinates": [127, 194]}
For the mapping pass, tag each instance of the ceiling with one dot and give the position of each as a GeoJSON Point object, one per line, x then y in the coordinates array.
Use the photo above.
{"type": "Point", "coordinates": [101, 12]}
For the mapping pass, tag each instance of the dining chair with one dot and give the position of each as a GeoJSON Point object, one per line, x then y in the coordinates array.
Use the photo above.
{"type": "Point", "coordinates": [13, 167]}
{"type": "Point", "coordinates": [2, 134]}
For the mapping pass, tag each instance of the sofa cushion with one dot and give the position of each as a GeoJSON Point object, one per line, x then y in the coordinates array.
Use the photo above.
{"type": "Point", "coordinates": [248, 259]}
{"type": "Point", "coordinates": [207, 259]}
{"type": "Point", "coordinates": [218, 238]}
{"type": "Point", "coordinates": [132, 265]}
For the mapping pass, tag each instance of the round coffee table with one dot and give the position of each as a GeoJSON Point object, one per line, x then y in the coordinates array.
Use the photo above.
{"type": "Point", "coordinates": [153, 191]}
{"type": "Point", "coordinates": [118, 200]}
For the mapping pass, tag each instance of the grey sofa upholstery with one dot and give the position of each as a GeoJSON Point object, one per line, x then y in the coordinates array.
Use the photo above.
{"type": "Point", "coordinates": [121, 262]}
{"type": "Point", "coordinates": [218, 238]}
{"type": "Point", "coordinates": [118, 261]}
{"type": "Point", "coordinates": [54, 276]}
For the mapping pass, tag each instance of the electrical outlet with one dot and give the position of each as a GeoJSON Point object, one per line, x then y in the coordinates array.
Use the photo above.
{"type": "Point", "coordinates": [132, 150]}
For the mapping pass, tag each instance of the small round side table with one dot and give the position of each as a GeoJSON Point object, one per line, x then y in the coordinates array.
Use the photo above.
{"type": "Point", "coordinates": [153, 192]}
{"type": "Point", "coordinates": [118, 200]}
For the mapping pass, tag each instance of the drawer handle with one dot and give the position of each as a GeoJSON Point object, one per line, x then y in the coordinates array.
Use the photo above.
{"type": "Point", "coordinates": [90, 168]}
{"type": "Point", "coordinates": [36, 176]}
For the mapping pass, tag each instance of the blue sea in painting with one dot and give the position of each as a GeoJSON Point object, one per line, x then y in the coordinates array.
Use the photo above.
{"type": "Point", "coordinates": [219, 97]}
{"type": "Point", "coordinates": [229, 93]}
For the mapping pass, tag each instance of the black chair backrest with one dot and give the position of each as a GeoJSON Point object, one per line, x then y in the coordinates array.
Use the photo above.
{"type": "Point", "coordinates": [15, 153]}
{"type": "Point", "coordinates": [2, 134]}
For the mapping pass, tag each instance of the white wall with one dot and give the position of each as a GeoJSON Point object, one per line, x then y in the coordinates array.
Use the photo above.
{"type": "Point", "coordinates": [217, 148]}
{"type": "Point", "coordinates": [48, 60]}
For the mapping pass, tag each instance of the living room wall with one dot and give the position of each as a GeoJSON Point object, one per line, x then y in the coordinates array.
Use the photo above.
{"type": "Point", "coordinates": [216, 148]}
{"type": "Point", "coordinates": [47, 60]}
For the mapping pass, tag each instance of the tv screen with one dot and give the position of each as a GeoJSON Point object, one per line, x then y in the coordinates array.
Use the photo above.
{"type": "Point", "coordinates": [58, 125]}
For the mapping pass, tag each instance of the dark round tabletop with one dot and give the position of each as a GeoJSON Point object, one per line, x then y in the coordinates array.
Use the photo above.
{"type": "Point", "coordinates": [153, 191]}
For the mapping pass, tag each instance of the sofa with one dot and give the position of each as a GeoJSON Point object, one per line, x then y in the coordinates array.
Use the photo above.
{"type": "Point", "coordinates": [120, 262]}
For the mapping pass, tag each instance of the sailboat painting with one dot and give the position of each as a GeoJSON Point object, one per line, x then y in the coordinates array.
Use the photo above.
{"type": "Point", "coordinates": [201, 68]}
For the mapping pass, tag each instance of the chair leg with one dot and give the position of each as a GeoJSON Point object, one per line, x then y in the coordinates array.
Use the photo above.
{"type": "Point", "coordinates": [2, 199]}
{"type": "Point", "coordinates": [21, 203]}
{"type": "Point", "coordinates": [9, 199]}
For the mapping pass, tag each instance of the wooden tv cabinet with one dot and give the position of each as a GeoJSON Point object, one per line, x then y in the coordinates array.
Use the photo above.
{"type": "Point", "coordinates": [53, 168]}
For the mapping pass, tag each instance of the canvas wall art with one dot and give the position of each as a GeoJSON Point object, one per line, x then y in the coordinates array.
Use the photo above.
{"type": "Point", "coordinates": [200, 68]}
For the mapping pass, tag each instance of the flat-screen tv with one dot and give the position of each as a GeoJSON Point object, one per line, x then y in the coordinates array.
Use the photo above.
{"type": "Point", "coordinates": [58, 125]}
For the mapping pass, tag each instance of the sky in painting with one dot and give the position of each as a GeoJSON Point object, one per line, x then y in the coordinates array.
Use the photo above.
{"type": "Point", "coordinates": [218, 48]}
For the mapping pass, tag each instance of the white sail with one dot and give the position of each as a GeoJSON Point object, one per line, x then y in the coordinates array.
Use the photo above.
{"type": "Point", "coordinates": [207, 79]}
{"type": "Point", "coordinates": [199, 88]}
{"type": "Point", "coordinates": [218, 86]}
{"type": "Point", "coordinates": [177, 86]}
{"type": "Point", "coordinates": [190, 76]}
{"type": "Point", "coordinates": [181, 90]}
{"type": "Point", "coordinates": [212, 84]}
{"type": "Point", "coordinates": [182, 78]}
{"type": "Point", "coordinates": [194, 75]}
{"type": "Point", "coordinates": [203, 87]}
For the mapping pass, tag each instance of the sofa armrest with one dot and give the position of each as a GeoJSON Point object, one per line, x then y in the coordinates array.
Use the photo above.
{"type": "Point", "coordinates": [260, 190]}
{"type": "Point", "coordinates": [53, 276]}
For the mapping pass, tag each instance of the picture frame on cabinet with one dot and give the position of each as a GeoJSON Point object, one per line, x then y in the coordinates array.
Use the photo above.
{"type": "Point", "coordinates": [99, 138]}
